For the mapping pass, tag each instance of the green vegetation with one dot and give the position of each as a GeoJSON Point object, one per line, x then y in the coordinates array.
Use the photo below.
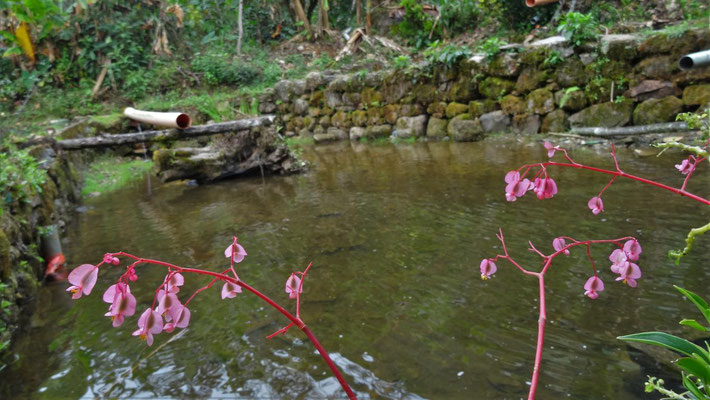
{"type": "Point", "coordinates": [449, 54]}
{"type": "Point", "coordinates": [491, 47]}
{"type": "Point", "coordinates": [578, 28]}
{"type": "Point", "coordinates": [20, 176]}
{"type": "Point", "coordinates": [110, 173]}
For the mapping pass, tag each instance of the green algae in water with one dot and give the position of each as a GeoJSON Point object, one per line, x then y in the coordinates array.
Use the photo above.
{"type": "Point", "coordinates": [112, 173]}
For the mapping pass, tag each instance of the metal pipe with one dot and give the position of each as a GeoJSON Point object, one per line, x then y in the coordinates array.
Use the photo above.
{"type": "Point", "coordinates": [167, 119]}
{"type": "Point", "coordinates": [52, 252]}
{"type": "Point", "coordinates": [694, 60]}
{"type": "Point", "coordinates": [535, 3]}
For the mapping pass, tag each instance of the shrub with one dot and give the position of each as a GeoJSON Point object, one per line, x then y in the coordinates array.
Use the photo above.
{"type": "Point", "coordinates": [578, 28]}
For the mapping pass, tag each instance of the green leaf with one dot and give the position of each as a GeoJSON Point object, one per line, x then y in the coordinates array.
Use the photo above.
{"type": "Point", "coordinates": [692, 387]}
{"type": "Point", "coordinates": [693, 324]}
{"type": "Point", "coordinates": [696, 366]}
{"type": "Point", "coordinates": [697, 300]}
{"type": "Point", "coordinates": [670, 342]}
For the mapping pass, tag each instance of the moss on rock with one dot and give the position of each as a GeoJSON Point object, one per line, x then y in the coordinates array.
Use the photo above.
{"type": "Point", "coordinates": [654, 111]}
{"type": "Point", "coordinates": [540, 101]}
{"type": "Point", "coordinates": [494, 87]}
{"type": "Point", "coordinates": [454, 109]}
{"type": "Point", "coordinates": [607, 115]}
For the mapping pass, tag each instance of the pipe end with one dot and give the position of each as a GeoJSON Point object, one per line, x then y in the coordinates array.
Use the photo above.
{"type": "Point", "coordinates": [530, 3]}
{"type": "Point", "coordinates": [183, 121]}
{"type": "Point", "coordinates": [685, 62]}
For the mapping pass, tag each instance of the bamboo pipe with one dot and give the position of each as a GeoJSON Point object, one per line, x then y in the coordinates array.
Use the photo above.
{"type": "Point", "coordinates": [535, 3]}
{"type": "Point", "coordinates": [167, 119]}
{"type": "Point", "coordinates": [694, 60]}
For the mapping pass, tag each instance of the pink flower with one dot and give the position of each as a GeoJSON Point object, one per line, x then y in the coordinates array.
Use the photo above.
{"type": "Point", "coordinates": [293, 286]}
{"type": "Point", "coordinates": [545, 188]}
{"type": "Point", "coordinates": [175, 280]}
{"type": "Point", "coordinates": [551, 149]}
{"type": "Point", "coordinates": [596, 205]}
{"type": "Point", "coordinates": [123, 303]}
{"type": "Point", "coordinates": [686, 166]}
{"type": "Point", "coordinates": [166, 301]}
{"type": "Point", "coordinates": [180, 318]}
{"type": "Point", "coordinates": [230, 290]}
{"type": "Point", "coordinates": [109, 259]}
{"type": "Point", "coordinates": [515, 187]}
{"type": "Point", "coordinates": [618, 260]}
{"type": "Point", "coordinates": [83, 279]}
{"type": "Point", "coordinates": [632, 248]}
{"type": "Point", "coordinates": [149, 323]}
{"type": "Point", "coordinates": [593, 285]}
{"type": "Point", "coordinates": [238, 255]}
{"type": "Point", "coordinates": [628, 273]}
{"type": "Point", "coordinates": [559, 244]}
{"type": "Point", "coordinates": [488, 268]}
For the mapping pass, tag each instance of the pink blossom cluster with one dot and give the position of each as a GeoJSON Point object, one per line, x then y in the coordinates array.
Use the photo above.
{"type": "Point", "coordinates": [543, 186]}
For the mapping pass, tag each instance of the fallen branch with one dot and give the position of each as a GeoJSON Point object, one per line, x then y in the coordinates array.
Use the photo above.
{"type": "Point", "coordinates": [667, 127]}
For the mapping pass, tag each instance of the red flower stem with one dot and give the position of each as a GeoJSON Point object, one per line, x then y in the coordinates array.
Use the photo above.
{"type": "Point", "coordinates": [681, 192]}
{"type": "Point", "coordinates": [540, 335]}
{"type": "Point", "coordinates": [295, 320]}
{"type": "Point", "coordinates": [692, 169]}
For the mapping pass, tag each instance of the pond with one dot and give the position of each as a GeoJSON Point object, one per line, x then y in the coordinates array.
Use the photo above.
{"type": "Point", "coordinates": [396, 234]}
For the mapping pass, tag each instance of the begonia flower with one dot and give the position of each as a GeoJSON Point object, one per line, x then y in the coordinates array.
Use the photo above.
{"type": "Point", "coordinates": [559, 244]}
{"type": "Point", "coordinates": [618, 259]}
{"type": "Point", "coordinates": [83, 279]}
{"type": "Point", "coordinates": [628, 273]}
{"type": "Point", "coordinates": [174, 282]}
{"type": "Point", "coordinates": [686, 166]}
{"type": "Point", "coordinates": [180, 318]}
{"type": "Point", "coordinates": [237, 254]}
{"type": "Point", "coordinates": [230, 290]}
{"type": "Point", "coordinates": [166, 301]}
{"type": "Point", "coordinates": [149, 324]}
{"type": "Point", "coordinates": [293, 286]}
{"type": "Point", "coordinates": [593, 286]}
{"type": "Point", "coordinates": [596, 205]}
{"type": "Point", "coordinates": [545, 188]}
{"type": "Point", "coordinates": [551, 149]}
{"type": "Point", "coordinates": [123, 303]}
{"type": "Point", "coordinates": [515, 187]}
{"type": "Point", "coordinates": [632, 248]}
{"type": "Point", "coordinates": [488, 268]}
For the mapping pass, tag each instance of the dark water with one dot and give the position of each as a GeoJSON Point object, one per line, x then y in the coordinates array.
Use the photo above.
{"type": "Point", "coordinates": [396, 234]}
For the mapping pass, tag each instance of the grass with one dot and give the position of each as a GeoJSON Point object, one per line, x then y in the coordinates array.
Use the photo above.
{"type": "Point", "coordinates": [110, 173]}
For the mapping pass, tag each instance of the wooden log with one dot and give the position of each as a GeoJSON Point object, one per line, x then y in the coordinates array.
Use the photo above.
{"type": "Point", "coordinates": [107, 140]}
{"type": "Point", "coordinates": [667, 127]}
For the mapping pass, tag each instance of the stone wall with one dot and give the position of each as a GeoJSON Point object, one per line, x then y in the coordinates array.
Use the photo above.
{"type": "Point", "coordinates": [547, 86]}
{"type": "Point", "coordinates": [21, 268]}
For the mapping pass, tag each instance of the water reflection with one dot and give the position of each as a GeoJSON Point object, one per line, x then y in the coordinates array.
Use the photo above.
{"type": "Point", "coordinates": [396, 234]}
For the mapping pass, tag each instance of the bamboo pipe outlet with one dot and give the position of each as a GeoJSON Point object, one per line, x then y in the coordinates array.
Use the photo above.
{"type": "Point", "coordinates": [695, 60]}
{"type": "Point", "coordinates": [535, 3]}
{"type": "Point", "coordinates": [167, 119]}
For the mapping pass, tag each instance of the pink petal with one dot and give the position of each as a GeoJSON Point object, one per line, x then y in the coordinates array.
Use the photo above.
{"type": "Point", "coordinates": [488, 268]}
{"type": "Point", "coordinates": [512, 176]}
{"type": "Point", "coordinates": [78, 274]}
{"type": "Point", "coordinates": [110, 294]}
{"type": "Point", "coordinates": [633, 250]}
{"type": "Point", "coordinates": [90, 281]}
{"type": "Point", "coordinates": [596, 205]}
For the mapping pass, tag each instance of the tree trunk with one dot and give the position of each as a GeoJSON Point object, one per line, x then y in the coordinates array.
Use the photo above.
{"type": "Point", "coordinates": [358, 11]}
{"type": "Point", "coordinates": [108, 140]}
{"type": "Point", "coordinates": [240, 30]}
{"type": "Point", "coordinates": [368, 9]}
{"type": "Point", "coordinates": [302, 16]}
{"type": "Point", "coordinates": [323, 15]}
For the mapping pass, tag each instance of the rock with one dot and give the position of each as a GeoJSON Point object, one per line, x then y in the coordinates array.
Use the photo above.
{"type": "Point", "coordinates": [655, 111]}
{"type": "Point", "coordinates": [410, 110]}
{"type": "Point", "coordinates": [587, 58]}
{"type": "Point", "coordinates": [552, 41]}
{"type": "Point", "coordinates": [338, 133]}
{"type": "Point", "coordinates": [374, 79]}
{"type": "Point", "coordinates": [496, 121]}
{"type": "Point", "coordinates": [393, 92]}
{"type": "Point", "coordinates": [437, 109]}
{"type": "Point", "coordinates": [570, 73]}
{"type": "Point", "coordinates": [696, 95]}
{"type": "Point", "coordinates": [314, 112]}
{"type": "Point", "coordinates": [390, 112]}
{"type": "Point", "coordinates": [338, 84]}
{"type": "Point", "coordinates": [530, 79]}
{"type": "Point", "coordinates": [504, 65]}
{"type": "Point", "coordinates": [324, 137]}
{"type": "Point", "coordinates": [298, 87]}
{"type": "Point", "coordinates": [494, 88]}
{"type": "Point", "coordinates": [571, 100]}
{"type": "Point", "coordinates": [540, 101]}
{"type": "Point", "coordinates": [333, 99]}
{"type": "Point", "coordinates": [324, 121]}
{"type": "Point", "coordinates": [370, 97]}
{"type": "Point", "coordinates": [526, 124]}
{"type": "Point", "coordinates": [282, 89]}
{"type": "Point", "coordinates": [555, 121]}
{"type": "Point", "coordinates": [462, 89]}
{"type": "Point", "coordinates": [436, 128]}
{"type": "Point", "coordinates": [652, 89]}
{"type": "Point", "coordinates": [659, 67]}
{"type": "Point", "coordinates": [464, 129]}
{"type": "Point", "coordinates": [359, 118]}
{"type": "Point", "coordinates": [425, 93]}
{"type": "Point", "coordinates": [341, 119]}
{"type": "Point", "coordinates": [357, 133]}
{"type": "Point", "coordinates": [383, 130]}
{"type": "Point", "coordinates": [314, 80]}
{"type": "Point", "coordinates": [267, 108]}
{"type": "Point", "coordinates": [351, 100]}
{"type": "Point", "coordinates": [607, 115]}
{"type": "Point", "coordinates": [317, 99]}
{"type": "Point", "coordinates": [512, 104]}
{"type": "Point", "coordinates": [309, 122]}
{"type": "Point", "coordinates": [619, 47]}
{"type": "Point", "coordinates": [374, 116]}
{"type": "Point", "coordinates": [477, 108]}
{"type": "Point", "coordinates": [300, 107]}
{"type": "Point", "coordinates": [658, 43]}
{"type": "Point", "coordinates": [454, 109]}
{"type": "Point", "coordinates": [411, 126]}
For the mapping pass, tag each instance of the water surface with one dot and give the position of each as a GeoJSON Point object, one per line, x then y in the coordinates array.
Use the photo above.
{"type": "Point", "coordinates": [396, 233]}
